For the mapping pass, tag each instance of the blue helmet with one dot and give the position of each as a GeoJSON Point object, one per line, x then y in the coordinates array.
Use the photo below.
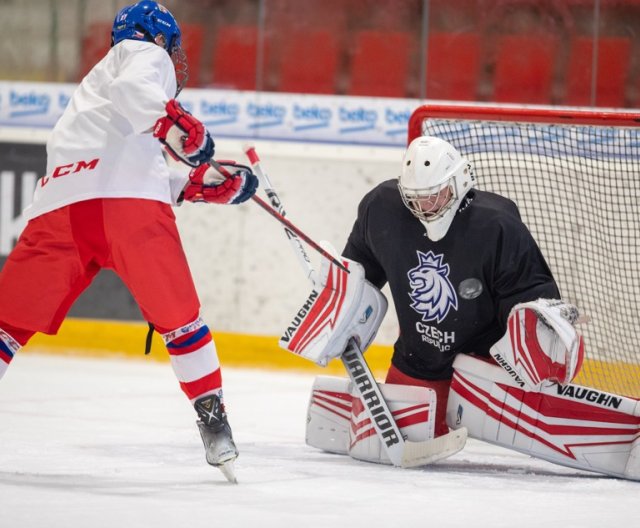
{"type": "Point", "coordinates": [145, 21]}
{"type": "Point", "coordinates": [152, 22]}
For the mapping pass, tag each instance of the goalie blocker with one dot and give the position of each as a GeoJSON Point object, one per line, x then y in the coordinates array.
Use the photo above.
{"type": "Point", "coordinates": [346, 307]}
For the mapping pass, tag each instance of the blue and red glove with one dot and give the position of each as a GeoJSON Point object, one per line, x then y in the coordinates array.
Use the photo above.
{"type": "Point", "coordinates": [185, 138]}
{"type": "Point", "coordinates": [235, 184]}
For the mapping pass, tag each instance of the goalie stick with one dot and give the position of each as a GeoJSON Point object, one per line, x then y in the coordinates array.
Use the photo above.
{"type": "Point", "coordinates": [401, 452]}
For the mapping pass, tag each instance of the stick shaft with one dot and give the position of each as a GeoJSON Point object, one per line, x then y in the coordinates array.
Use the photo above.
{"type": "Point", "coordinates": [303, 257]}
{"type": "Point", "coordinates": [298, 233]}
{"type": "Point", "coordinates": [293, 233]}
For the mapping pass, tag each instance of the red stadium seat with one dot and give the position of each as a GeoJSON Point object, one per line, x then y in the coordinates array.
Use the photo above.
{"type": "Point", "coordinates": [613, 60]}
{"type": "Point", "coordinates": [235, 57]}
{"type": "Point", "coordinates": [453, 61]}
{"type": "Point", "coordinates": [97, 40]}
{"type": "Point", "coordinates": [95, 44]}
{"type": "Point", "coordinates": [192, 37]}
{"type": "Point", "coordinates": [309, 62]}
{"type": "Point", "coordinates": [380, 65]}
{"type": "Point", "coordinates": [524, 68]}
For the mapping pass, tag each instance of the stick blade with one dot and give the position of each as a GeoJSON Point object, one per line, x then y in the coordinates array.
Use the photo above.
{"type": "Point", "coordinates": [228, 471]}
{"type": "Point", "coordinates": [417, 454]}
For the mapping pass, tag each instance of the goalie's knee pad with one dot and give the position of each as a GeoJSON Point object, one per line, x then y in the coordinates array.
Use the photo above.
{"type": "Point", "coordinates": [441, 388]}
{"type": "Point", "coordinates": [568, 424]}
{"type": "Point", "coordinates": [338, 422]}
{"type": "Point", "coordinates": [541, 344]}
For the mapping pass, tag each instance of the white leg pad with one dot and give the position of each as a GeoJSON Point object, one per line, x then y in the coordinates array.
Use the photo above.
{"type": "Point", "coordinates": [568, 424]}
{"type": "Point", "coordinates": [632, 470]}
{"type": "Point", "coordinates": [329, 415]}
{"type": "Point", "coordinates": [414, 409]}
{"type": "Point", "coordinates": [337, 421]}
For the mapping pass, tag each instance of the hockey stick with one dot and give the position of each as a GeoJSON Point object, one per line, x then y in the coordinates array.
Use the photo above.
{"type": "Point", "coordinates": [293, 233]}
{"type": "Point", "coordinates": [296, 243]}
{"type": "Point", "coordinates": [401, 452]}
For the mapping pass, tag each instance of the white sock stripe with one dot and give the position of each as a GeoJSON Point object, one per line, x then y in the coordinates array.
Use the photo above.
{"type": "Point", "coordinates": [196, 364]}
{"type": "Point", "coordinates": [186, 329]}
{"type": "Point", "coordinates": [217, 392]}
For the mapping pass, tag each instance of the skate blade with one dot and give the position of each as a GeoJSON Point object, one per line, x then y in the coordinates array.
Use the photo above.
{"type": "Point", "coordinates": [228, 471]}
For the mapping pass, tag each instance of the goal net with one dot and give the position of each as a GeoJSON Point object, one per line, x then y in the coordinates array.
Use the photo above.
{"type": "Point", "coordinates": [575, 176]}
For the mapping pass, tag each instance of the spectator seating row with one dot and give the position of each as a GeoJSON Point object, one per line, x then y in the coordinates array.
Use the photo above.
{"type": "Point", "coordinates": [527, 68]}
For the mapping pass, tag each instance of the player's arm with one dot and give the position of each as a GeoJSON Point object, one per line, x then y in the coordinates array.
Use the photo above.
{"type": "Point", "coordinates": [521, 273]}
{"type": "Point", "coordinates": [357, 248]}
{"type": "Point", "coordinates": [143, 84]}
{"type": "Point", "coordinates": [143, 92]}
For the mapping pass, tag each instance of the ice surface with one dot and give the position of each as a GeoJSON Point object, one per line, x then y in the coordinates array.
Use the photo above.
{"type": "Point", "coordinates": [113, 443]}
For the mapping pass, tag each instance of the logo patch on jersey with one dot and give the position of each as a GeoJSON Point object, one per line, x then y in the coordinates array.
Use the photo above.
{"type": "Point", "coordinates": [432, 293]}
{"type": "Point", "coordinates": [470, 288]}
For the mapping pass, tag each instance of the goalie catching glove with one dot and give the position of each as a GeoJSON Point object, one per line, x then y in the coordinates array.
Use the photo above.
{"type": "Point", "coordinates": [184, 137]}
{"type": "Point", "coordinates": [541, 345]}
{"type": "Point", "coordinates": [206, 184]}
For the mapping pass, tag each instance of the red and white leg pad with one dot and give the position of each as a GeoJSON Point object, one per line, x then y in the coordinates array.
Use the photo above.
{"type": "Point", "coordinates": [337, 421]}
{"type": "Point", "coordinates": [567, 424]}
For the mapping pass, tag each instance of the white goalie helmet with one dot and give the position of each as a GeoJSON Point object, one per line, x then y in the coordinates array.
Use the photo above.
{"type": "Point", "coordinates": [435, 179]}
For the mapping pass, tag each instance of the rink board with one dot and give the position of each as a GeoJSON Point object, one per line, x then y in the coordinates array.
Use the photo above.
{"type": "Point", "coordinates": [115, 338]}
{"type": "Point", "coordinates": [96, 338]}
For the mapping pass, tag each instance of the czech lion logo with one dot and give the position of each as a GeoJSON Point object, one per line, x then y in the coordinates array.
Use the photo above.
{"type": "Point", "coordinates": [432, 293]}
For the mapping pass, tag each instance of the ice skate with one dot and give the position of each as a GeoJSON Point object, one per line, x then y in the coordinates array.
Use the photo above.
{"type": "Point", "coordinates": [216, 435]}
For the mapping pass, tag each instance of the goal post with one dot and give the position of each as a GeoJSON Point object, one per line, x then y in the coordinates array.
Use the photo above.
{"type": "Point", "coordinates": [575, 175]}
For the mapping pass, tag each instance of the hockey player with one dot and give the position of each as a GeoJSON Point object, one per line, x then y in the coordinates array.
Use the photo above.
{"type": "Point", "coordinates": [457, 261]}
{"type": "Point", "coordinates": [484, 338]}
{"type": "Point", "coordinates": [105, 202]}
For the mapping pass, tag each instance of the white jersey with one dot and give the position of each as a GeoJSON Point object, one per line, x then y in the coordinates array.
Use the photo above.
{"type": "Point", "coordinates": [102, 146]}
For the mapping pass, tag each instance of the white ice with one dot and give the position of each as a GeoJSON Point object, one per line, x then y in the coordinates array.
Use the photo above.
{"type": "Point", "coordinates": [113, 443]}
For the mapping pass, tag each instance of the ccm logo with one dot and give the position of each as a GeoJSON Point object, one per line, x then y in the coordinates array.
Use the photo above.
{"type": "Point", "coordinates": [71, 168]}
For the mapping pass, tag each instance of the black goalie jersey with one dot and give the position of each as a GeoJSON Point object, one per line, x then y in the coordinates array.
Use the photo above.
{"type": "Point", "coordinates": [453, 295]}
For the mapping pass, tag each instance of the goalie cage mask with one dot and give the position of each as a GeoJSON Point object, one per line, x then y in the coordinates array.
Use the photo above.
{"type": "Point", "coordinates": [435, 179]}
